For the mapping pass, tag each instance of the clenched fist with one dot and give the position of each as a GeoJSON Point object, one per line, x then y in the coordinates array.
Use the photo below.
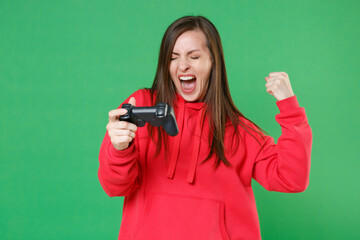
{"type": "Point", "coordinates": [121, 133]}
{"type": "Point", "coordinates": [278, 85]}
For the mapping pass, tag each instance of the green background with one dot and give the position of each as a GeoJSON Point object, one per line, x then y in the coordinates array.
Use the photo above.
{"type": "Point", "coordinates": [65, 64]}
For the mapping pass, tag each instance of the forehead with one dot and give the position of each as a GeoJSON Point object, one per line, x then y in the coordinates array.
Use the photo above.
{"type": "Point", "coordinates": [189, 40]}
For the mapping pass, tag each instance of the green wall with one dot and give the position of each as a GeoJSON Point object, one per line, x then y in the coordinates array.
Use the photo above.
{"type": "Point", "coordinates": [65, 64]}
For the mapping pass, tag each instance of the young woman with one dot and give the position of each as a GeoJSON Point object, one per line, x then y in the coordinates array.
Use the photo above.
{"type": "Point", "coordinates": [197, 185]}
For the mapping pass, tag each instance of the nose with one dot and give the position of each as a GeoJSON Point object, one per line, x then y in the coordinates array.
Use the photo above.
{"type": "Point", "coordinates": [184, 65]}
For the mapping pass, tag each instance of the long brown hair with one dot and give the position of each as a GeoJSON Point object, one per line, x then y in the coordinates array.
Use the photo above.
{"type": "Point", "coordinates": [220, 106]}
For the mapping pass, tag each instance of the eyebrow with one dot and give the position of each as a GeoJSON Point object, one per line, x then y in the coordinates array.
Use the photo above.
{"type": "Point", "coordinates": [175, 53]}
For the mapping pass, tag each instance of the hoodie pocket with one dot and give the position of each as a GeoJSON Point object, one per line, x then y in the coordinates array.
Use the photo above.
{"type": "Point", "coordinates": [170, 216]}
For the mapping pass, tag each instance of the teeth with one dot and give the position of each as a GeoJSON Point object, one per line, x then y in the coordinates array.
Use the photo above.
{"type": "Point", "coordinates": [186, 78]}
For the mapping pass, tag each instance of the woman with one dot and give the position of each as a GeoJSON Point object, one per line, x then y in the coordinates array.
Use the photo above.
{"type": "Point", "coordinates": [197, 185]}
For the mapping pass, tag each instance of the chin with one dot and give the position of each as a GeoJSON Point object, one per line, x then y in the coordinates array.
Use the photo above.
{"type": "Point", "coordinates": [191, 99]}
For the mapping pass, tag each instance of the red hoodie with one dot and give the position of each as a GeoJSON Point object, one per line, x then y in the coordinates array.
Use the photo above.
{"type": "Point", "coordinates": [176, 196]}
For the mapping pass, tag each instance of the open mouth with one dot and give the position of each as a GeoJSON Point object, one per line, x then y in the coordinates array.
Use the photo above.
{"type": "Point", "coordinates": [188, 83]}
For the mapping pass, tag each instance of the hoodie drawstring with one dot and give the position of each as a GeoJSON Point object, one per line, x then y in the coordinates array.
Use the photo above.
{"type": "Point", "coordinates": [196, 145]}
{"type": "Point", "coordinates": [175, 152]}
{"type": "Point", "coordinates": [196, 149]}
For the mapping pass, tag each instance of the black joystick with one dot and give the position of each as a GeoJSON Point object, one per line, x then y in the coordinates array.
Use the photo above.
{"type": "Point", "coordinates": [159, 115]}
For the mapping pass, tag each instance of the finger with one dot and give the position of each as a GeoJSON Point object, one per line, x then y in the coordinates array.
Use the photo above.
{"type": "Point", "coordinates": [132, 101]}
{"type": "Point", "coordinates": [272, 88]}
{"type": "Point", "coordinates": [121, 139]}
{"type": "Point", "coordinates": [276, 78]}
{"type": "Point", "coordinates": [269, 90]}
{"type": "Point", "coordinates": [268, 79]}
{"type": "Point", "coordinates": [114, 114]}
{"type": "Point", "coordinates": [272, 83]}
{"type": "Point", "coordinates": [122, 125]}
{"type": "Point", "coordinates": [273, 74]}
{"type": "Point", "coordinates": [119, 133]}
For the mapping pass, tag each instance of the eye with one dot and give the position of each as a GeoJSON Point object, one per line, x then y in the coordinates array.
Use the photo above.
{"type": "Point", "coordinates": [173, 58]}
{"type": "Point", "coordinates": [195, 57]}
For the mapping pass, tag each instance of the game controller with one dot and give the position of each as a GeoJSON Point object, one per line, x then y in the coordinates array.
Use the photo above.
{"type": "Point", "coordinates": [159, 115]}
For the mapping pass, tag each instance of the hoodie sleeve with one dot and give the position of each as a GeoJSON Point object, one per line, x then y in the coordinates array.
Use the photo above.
{"type": "Point", "coordinates": [119, 169]}
{"type": "Point", "coordinates": [285, 166]}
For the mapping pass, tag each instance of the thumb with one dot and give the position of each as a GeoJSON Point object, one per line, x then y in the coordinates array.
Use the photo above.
{"type": "Point", "coordinates": [132, 101]}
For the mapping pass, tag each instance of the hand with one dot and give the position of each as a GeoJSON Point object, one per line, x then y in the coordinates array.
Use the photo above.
{"type": "Point", "coordinates": [278, 85]}
{"type": "Point", "coordinates": [121, 133]}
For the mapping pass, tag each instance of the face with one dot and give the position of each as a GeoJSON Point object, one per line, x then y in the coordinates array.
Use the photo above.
{"type": "Point", "coordinates": [190, 65]}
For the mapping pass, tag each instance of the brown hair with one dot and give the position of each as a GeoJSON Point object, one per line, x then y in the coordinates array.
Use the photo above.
{"type": "Point", "coordinates": [220, 106]}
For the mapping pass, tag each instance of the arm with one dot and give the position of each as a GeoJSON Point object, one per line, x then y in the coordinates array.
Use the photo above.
{"type": "Point", "coordinates": [118, 164]}
{"type": "Point", "coordinates": [118, 169]}
{"type": "Point", "coordinates": [285, 166]}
